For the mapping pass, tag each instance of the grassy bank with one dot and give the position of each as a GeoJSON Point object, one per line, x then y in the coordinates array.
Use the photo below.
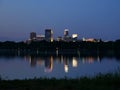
{"type": "Point", "coordinates": [99, 82]}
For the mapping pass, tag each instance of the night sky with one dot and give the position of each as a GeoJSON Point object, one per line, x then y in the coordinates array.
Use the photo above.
{"type": "Point", "coordinates": [87, 18]}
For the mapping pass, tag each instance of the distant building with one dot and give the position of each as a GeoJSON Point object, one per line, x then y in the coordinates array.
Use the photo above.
{"type": "Point", "coordinates": [32, 35]}
{"type": "Point", "coordinates": [67, 39]}
{"type": "Point", "coordinates": [40, 37]}
{"type": "Point", "coordinates": [74, 37]}
{"type": "Point", "coordinates": [59, 38]}
{"type": "Point", "coordinates": [91, 40]}
{"type": "Point", "coordinates": [49, 35]}
{"type": "Point", "coordinates": [66, 32]}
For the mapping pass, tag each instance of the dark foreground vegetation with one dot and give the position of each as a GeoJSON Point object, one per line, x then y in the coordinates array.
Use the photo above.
{"type": "Point", "coordinates": [99, 82]}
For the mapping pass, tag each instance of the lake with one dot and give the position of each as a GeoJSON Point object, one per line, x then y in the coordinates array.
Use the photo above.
{"type": "Point", "coordinates": [57, 66]}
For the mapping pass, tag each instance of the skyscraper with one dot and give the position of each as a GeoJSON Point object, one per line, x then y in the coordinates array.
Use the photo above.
{"type": "Point", "coordinates": [49, 35]}
{"type": "Point", "coordinates": [66, 32]}
{"type": "Point", "coordinates": [66, 37]}
{"type": "Point", "coordinates": [32, 35]}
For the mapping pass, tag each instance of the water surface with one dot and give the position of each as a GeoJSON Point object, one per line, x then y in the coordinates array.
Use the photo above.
{"type": "Point", "coordinates": [58, 66]}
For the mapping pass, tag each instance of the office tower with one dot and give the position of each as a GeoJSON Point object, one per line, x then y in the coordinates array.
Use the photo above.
{"type": "Point", "coordinates": [49, 35]}
{"type": "Point", "coordinates": [32, 35]}
{"type": "Point", "coordinates": [66, 32]}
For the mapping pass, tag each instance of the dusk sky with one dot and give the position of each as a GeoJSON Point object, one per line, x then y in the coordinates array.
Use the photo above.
{"type": "Point", "coordinates": [87, 18]}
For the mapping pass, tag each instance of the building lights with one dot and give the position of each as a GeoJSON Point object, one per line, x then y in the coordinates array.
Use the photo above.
{"type": "Point", "coordinates": [74, 35]}
{"type": "Point", "coordinates": [74, 62]}
{"type": "Point", "coordinates": [66, 68]}
{"type": "Point", "coordinates": [48, 36]}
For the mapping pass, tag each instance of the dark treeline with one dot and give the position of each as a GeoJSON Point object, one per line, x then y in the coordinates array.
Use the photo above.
{"type": "Point", "coordinates": [43, 45]}
{"type": "Point", "coordinates": [111, 46]}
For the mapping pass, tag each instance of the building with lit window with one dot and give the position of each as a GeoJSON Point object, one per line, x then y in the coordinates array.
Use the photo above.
{"type": "Point", "coordinates": [91, 40]}
{"type": "Point", "coordinates": [49, 35]}
{"type": "Point", "coordinates": [74, 37]}
{"type": "Point", "coordinates": [40, 37]}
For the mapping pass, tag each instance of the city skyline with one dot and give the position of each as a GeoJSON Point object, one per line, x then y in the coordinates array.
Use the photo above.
{"type": "Point", "coordinates": [87, 18]}
{"type": "Point", "coordinates": [66, 37]}
{"type": "Point", "coordinates": [49, 37]}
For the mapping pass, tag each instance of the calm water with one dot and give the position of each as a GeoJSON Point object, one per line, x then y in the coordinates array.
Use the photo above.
{"type": "Point", "coordinates": [71, 66]}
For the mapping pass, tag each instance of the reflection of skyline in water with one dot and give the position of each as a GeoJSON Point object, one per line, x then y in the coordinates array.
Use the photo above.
{"type": "Point", "coordinates": [58, 66]}
{"type": "Point", "coordinates": [71, 53]}
{"type": "Point", "coordinates": [48, 61]}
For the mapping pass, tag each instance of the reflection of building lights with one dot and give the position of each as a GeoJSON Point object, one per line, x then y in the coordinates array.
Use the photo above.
{"type": "Point", "coordinates": [57, 51]}
{"type": "Point", "coordinates": [83, 60]}
{"type": "Point", "coordinates": [30, 59]}
{"type": "Point", "coordinates": [98, 59]}
{"type": "Point", "coordinates": [74, 62]}
{"type": "Point", "coordinates": [49, 65]}
{"type": "Point", "coordinates": [40, 62]}
{"type": "Point", "coordinates": [33, 61]}
{"type": "Point", "coordinates": [87, 59]}
{"type": "Point", "coordinates": [66, 68]}
{"type": "Point", "coordinates": [90, 61]}
{"type": "Point", "coordinates": [62, 59]}
{"type": "Point", "coordinates": [51, 60]}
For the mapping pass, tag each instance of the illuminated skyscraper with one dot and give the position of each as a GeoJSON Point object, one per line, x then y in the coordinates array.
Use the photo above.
{"type": "Point", "coordinates": [32, 35]}
{"type": "Point", "coordinates": [49, 35]}
{"type": "Point", "coordinates": [66, 32]}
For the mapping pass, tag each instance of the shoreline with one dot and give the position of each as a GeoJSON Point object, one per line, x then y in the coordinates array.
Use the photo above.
{"type": "Point", "coordinates": [101, 81]}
